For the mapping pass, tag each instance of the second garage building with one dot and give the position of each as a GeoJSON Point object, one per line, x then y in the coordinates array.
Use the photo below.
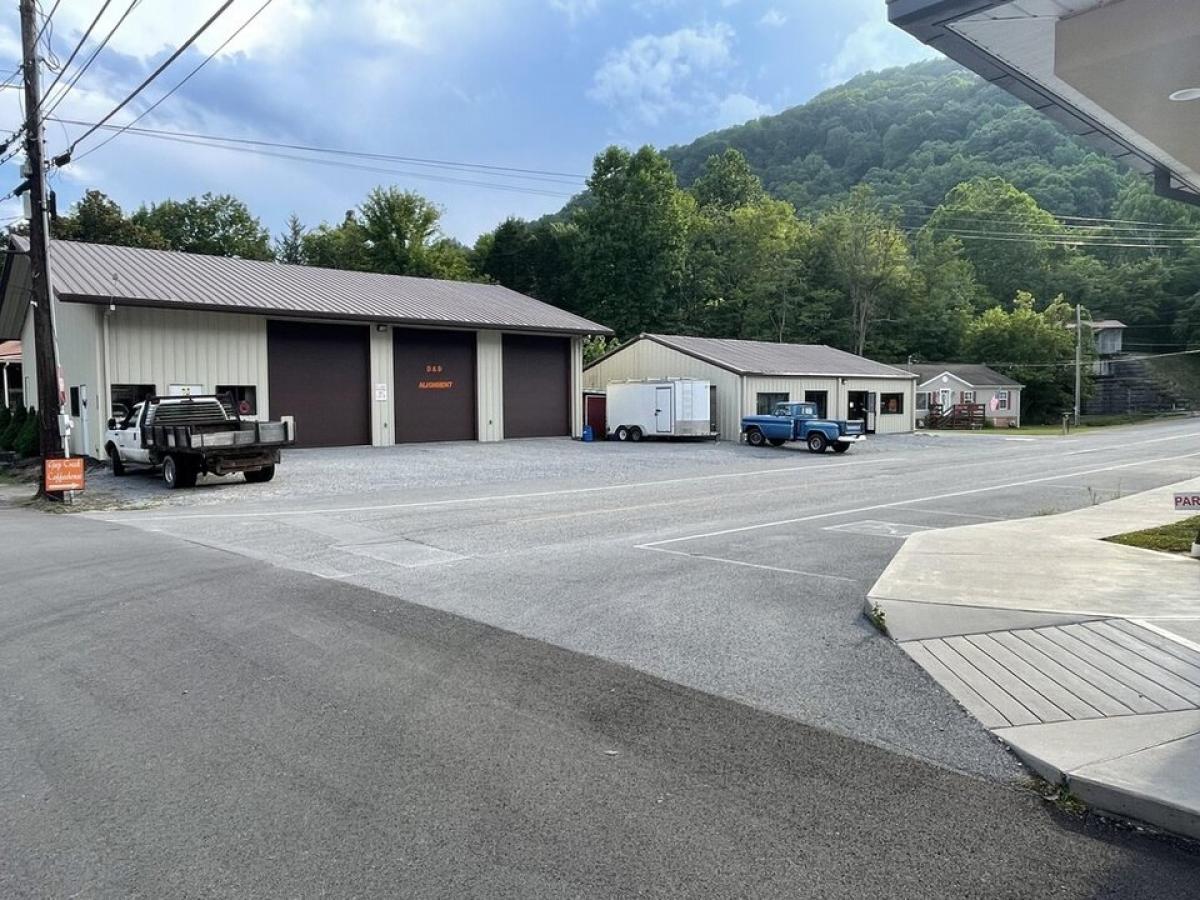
{"type": "Point", "coordinates": [350, 357]}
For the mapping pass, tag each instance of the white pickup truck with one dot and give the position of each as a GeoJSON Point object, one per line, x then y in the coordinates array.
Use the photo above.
{"type": "Point", "coordinates": [189, 436]}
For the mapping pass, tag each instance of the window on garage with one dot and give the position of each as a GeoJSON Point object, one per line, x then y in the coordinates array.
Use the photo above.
{"type": "Point", "coordinates": [243, 397]}
{"type": "Point", "coordinates": [125, 396]}
{"type": "Point", "coordinates": [821, 399]}
{"type": "Point", "coordinates": [891, 404]}
{"type": "Point", "coordinates": [766, 402]}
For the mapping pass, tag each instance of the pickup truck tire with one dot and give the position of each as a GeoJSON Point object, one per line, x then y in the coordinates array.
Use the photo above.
{"type": "Point", "coordinates": [817, 442]}
{"type": "Point", "coordinates": [840, 447]}
{"type": "Point", "coordinates": [178, 472]}
{"type": "Point", "coordinates": [776, 442]}
{"type": "Point", "coordinates": [261, 476]}
{"type": "Point", "coordinates": [114, 458]}
{"type": "Point", "coordinates": [755, 437]}
{"type": "Point", "coordinates": [622, 433]}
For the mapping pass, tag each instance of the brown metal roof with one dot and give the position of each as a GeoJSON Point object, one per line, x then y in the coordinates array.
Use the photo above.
{"type": "Point", "coordinates": [102, 273]}
{"type": "Point", "coordinates": [767, 358]}
{"type": "Point", "coordinates": [974, 374]}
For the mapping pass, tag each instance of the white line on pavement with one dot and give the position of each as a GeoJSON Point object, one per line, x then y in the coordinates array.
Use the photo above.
{"type": "Point", "coordinates": [748, 565]}
{"type": "Point", "coordinates": [654, 545]}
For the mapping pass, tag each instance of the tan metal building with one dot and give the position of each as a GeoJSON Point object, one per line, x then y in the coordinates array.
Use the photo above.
{"type": "Point", "coordinates": [752, 376]}
{"type": "Point", "coordinates": [350, 357]}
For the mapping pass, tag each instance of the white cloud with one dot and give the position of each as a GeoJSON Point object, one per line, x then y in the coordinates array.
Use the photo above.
{"type": "Point", "coordinates": [772, 18]}
{"type": "Point", "coordinates": [734, 109]}
{"type": "Point", "coordinates": [575, 10]}
{"type": "Point", "coordinates": [874, 44]}
{"type": "Point", "coordinates": [655, 75]}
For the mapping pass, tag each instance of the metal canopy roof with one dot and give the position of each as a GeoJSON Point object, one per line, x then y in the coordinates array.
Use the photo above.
{"type": "Point", "coordinates": [130, 276]}
{"type": "Point", "coordinates": [766, 358]}
{"type": "Point", "coordinates": [1102, 70]}
{"type": "Point", "coordinates": [973, 374]}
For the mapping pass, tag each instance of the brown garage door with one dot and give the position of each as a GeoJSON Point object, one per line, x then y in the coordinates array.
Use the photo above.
{"type": "Point", "coordinates": [320, 374]}
{"type": "Point", "coordinates": [537, 386]}
{"type": "Point", "coordinates": [435, 385]}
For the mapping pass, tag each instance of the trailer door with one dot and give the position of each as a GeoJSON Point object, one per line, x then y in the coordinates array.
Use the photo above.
{"type": "Point", "coordinates": [663, 410]}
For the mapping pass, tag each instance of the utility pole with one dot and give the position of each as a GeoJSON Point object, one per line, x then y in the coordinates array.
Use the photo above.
{"type": "Point", "coordinates": [1078, 358]}
{"type": "Point", "coordinates": [49, 391]}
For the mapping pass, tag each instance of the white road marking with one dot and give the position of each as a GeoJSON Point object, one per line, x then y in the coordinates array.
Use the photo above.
{"type": "Point", "coordinates": [960, 515]}
{"type": "Point", "coordinates": [749, 565]}
{"type": "Point", "coordinates": [876, 528]}
{"type": "Point", "coordinates": [653, 545]}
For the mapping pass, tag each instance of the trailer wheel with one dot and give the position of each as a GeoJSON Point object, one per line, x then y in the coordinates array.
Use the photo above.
{"type": "Point", "coordinates": [839, 447]}
{"type": "Point", "coordinates": [622, 433]}
{"type": "Point", "coordinates": [755, 437]}
{"type": "Point", "coordinates": [635, 434]}
{"type": "Point", "coordinates": [817, 442]}
{"type": "Point", "coordinates": [261, 476]}
{"type": "Point", "coordinates": [114, 457]}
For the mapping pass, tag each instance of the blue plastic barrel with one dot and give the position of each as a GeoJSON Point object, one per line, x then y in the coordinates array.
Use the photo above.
{"type": "Point", "coordinates": [587, 434]}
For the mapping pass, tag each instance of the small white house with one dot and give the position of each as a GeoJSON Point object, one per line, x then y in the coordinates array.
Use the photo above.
{"type": "Point", "coordinates": [954, 384]}
{"type": "Point", "coordinates": [751, 377]}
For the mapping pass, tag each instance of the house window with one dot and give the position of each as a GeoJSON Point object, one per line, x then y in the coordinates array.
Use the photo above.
{"type": "Point", "coordinates": [124, 396]}
{"type": "Point", "coordinates": [1001, 399]}
{"type": "Point", "coordinates": [245, 398]}
{"type": "Point", "coordinates": [891, 404]}
{"type": "Point", "coordinates": [922, 401]}
{"type": "Point", "coordinates": [765, 403]}
{"type": "Point", "coordinates": [968, 396]}
{"type": "Point", "coordinates": [75, 402]}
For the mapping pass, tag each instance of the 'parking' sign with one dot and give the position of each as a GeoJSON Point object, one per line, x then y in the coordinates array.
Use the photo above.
{"type": "Point", "coordinates": [1187, 502]}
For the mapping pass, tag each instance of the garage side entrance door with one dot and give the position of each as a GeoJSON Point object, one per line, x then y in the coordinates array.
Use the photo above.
{"type": "Point", "coordinates": [320, 375]}
{"type": "Point", "coordinates": [435, 385]}
{"type": "Point", "coordinates": [537, 386]}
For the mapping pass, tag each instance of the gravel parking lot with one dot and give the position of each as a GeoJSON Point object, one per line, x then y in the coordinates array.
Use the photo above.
{"type": "Point", "coordinates": [736, 571]}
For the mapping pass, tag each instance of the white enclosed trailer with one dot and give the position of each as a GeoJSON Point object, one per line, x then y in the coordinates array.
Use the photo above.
{"type": "Point", "coordinates": [661, 408]}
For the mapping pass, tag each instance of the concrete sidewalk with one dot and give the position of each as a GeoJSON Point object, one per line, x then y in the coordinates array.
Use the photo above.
{"type": "Point", "coordinates": [1082, 655]}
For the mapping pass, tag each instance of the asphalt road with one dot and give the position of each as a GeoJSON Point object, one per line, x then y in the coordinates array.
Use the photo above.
{"type": "Point", "coordinates": [730, 570]}
{"type": "Point", "coordinates": [181, 721]}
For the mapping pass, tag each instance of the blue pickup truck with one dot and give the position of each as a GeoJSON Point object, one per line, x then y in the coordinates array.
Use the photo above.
{"type": "Point", "coordinates": [800, 422]}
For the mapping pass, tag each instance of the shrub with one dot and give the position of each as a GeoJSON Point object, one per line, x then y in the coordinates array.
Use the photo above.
{"type": "Point", "coordinates": [8, 437]}
{"type": "Point", "coordinates": [5, 418]}
{"type": "Point", "coordinates": [28, 441]}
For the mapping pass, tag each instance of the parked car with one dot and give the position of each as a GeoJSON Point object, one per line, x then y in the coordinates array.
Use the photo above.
{"type": "Point", "coordinates": [800, 422]}
{"type": "Point", "coordinates": [189, 436]}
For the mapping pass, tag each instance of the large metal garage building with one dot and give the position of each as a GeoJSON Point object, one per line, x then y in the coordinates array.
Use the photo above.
{"type": "Point", "coordinates": [753, 376]}
{"type": "Point", "coordinates": [350, 357]}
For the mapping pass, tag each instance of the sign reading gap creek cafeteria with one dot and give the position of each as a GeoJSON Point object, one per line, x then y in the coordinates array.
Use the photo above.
{"type": "Point", "coordinates": [1189, 501]}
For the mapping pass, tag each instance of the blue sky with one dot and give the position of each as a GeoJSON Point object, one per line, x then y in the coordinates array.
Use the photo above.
{"type": "Point", "coordinates": [531, 84]}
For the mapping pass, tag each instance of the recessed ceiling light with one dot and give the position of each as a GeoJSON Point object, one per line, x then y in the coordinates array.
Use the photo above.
{"type": "Point", "coordinates": [1186, 94]}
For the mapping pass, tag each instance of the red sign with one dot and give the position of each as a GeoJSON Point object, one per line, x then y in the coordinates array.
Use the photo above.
{"type": "Point", "coordinates": [64, 474]}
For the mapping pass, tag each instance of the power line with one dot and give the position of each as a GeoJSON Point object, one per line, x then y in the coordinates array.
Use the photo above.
{"type": "Point", "coordinates": [1071, 364]}
{"type": "Point", "coordinates": [153, 106]}
{"type": "Point", "coordinates": [1058, 227]}
{"type": "Point", "coordinates": [66, 157]}
{"type": "Point", "coordinates": [1058, 216]}
{"type": "Point", "coordinates": [513, 188]}
{"type": "Point", "coordinates": [1062, 235]}
{"type": "Point", "coordinates": [70, 59]}
{"type": "Point", "coordinates": [75, 80]}
{"type": "Point", "coordinates": [474, 168]}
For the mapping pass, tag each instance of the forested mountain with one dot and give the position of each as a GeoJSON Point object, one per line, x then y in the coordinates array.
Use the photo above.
{"type": "Point", "coordinates": [912, 133]}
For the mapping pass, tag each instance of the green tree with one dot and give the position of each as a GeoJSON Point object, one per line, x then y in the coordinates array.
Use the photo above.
{"type": "Point", "coordinates": [1035, 348]}
{"type": "Point", "coordinates": [633, 241]}
{"type": "Point", "coordinates": [27, 442]}
{"type": "Point", "coordinates": [214, 224]}
{"type": "Point", "coordinates": [940, 304]}
{"type": "Point", "coordinates": [97, 219]}
{"type": "Point", "coordinates": [289, 246]}
{"type": "Point", "coordinates": [506, 256]}
{"type": "Point", "coordinates": [1006, 236]}
{"type": "Point", "coordinates": [342, 246]}
{"type": "Point", "coordinates": [868, 256]}
{"type": "Point", "coordinates": [727, 183]}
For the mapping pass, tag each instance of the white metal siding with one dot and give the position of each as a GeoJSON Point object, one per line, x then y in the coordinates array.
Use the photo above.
{"type": "Point", "coordinates": [889, 424]}
{"type": "Point", "coordinates": [648, 359]}
{"type": "Point", "coordinates": [489, 385]}
{"type": "Point", "coordinates": [383, 372]}
{"type": "Point", "coordinates": [576, 387]}
{"type": "Point", "coordinates": [78, 330]}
